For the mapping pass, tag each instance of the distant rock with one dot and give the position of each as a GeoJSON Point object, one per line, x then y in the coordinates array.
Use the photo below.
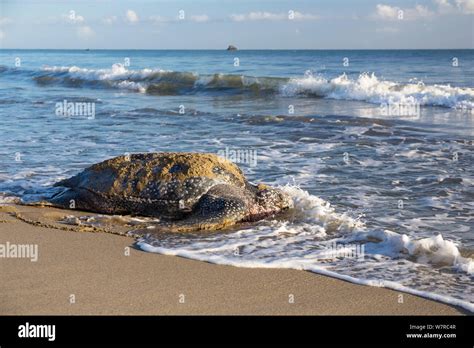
{"type": "Point", "coordinates": [231, 48]}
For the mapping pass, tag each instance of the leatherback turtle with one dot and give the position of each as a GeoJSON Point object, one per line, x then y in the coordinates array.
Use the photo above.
{"type": "Point", "coordinates": [187, 191]}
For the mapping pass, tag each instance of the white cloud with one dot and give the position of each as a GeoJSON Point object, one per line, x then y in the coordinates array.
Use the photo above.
{"type": "Point", "coordinates": [194, 18]}
{"type": "Point", "coordinates": [110, 20]}
{"type": "Point", "coordinates": [131, 16]}
{"type": "Point", "coordinates": [392, 13]}
{"type": "Point", "coordinates": [270, 16]}
{"type": "Point", "coordinates": [444, 6]}
{"type": "Point", "coordinates": [238, 17]}
{"type": "Point", "coordinates": [386, 12]}
{"type": "Point", "coordinates": [257, 16]}
{"type": "Point", "coordinates": [2, 35]}
{"type": "Point", "coordinates": [465, 6]}
{"type": "Point", "coordinates": [73, 18]}
{"type": "Point", "coordinates": [305, 16]}
{"type": "Point", "coordinates": [200, 18]}
{"type": "Point", "coordinates": [85, 32]}
{"type": "Point", "coordinates": [455, 6]}
{"type": "Point", "coordinates": [419, 11]}
{"type": "Point", "coordinates": [5, 21]}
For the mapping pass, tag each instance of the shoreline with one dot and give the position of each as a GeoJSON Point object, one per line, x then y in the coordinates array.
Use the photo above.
{"type": "Point", "coordinates": [100, 273]}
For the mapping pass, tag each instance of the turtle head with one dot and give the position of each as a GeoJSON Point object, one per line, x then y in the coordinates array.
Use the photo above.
{"type": "Point", "coordinates": [272, 200]}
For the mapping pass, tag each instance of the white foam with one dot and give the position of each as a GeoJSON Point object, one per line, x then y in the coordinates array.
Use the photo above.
{"type": "Point", "coordinates": [7, 199]}
{"type": "Point", "coordinates": [101, 220]}
{"type": "Point", "coordinates": [432, 250]}
{"type": "Point", "coordinates": [312, 209]}
{"type": "Point", "coordinates": [301, 242]}
{"type": "Point", "coordinates": [118, 73]}
{"type": "Point", "coordinates": [316, 269]}
{"type": "Point", "coordinates": [130, 85]}
{"type": "Point", "coordinates": [369, 88]}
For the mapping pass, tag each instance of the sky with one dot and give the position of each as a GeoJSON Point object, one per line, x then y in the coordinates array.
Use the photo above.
{"type": "Point", "coordinates": [247, 24]}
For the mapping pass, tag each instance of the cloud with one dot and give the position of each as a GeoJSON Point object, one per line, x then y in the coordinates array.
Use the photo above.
{"type": "Point", "coordinates": [392, 13]}
{"type": "Point", "coordinates": [418, 12]}
{"type": "Point", "coordinates": [73, 18]}
{"type": "Point", "coordinates": [270, 16]}
{"type": "Point", "coordinates": [238, 17]}
{"type": "Point", "coordinates": [109, 20]}
{"type": "Point", "coordinates": [85, 32]}
{"type": "Point", "coordinates": [456, 6]}
{"type": "Point", "coordinates": [386, 12]}
{"type": "Point", "coordinates": [131, 16]}
{"type": "Point", "coordinates": [444, 6]}
{"type": "Point", "coordinates": [305, 16]}
{"type": "Point", "coordinates": [200, 18]}
{"type": "Point", "coordinates": [5, 21]}
{"type": "Point", "coordinates": [257, 16]}
{"type": "Point", "coordinates": [465, 6]}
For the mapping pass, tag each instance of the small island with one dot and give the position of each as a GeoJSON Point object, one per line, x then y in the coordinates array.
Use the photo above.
{"type": "Point", "coordinates": [231, 48]}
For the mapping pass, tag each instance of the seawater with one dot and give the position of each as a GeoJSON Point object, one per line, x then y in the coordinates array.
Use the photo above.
{"type": "Point", "coordinates": [375, 153]}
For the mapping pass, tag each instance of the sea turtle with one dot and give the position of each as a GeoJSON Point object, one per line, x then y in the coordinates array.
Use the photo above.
{"type": "Point", "coordinates": [187, 191]}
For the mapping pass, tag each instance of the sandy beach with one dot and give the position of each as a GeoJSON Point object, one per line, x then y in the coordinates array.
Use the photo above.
{"type": "Point", "coordinates": [82, 272]}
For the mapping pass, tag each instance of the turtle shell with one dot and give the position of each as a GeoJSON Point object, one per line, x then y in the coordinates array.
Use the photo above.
{"type": "Point", "coordinates": [170, 182]}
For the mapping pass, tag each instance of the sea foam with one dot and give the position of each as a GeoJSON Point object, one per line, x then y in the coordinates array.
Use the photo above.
{"type": "Point", "coordinates": [302, 241]}
{"type": "Point", "coordinates": [366, 87]}
{"type": "Point", "coordinates": [369, 88]}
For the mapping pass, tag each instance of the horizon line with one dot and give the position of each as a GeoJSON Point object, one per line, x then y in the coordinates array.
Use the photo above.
{"type": "Point", "coordinates": [241, 49]}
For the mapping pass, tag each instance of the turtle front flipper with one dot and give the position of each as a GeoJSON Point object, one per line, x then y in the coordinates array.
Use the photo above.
{"type": "Point", "coordinates": [220, 207]}
{"type": "Point", "coordinates": [83, 199]}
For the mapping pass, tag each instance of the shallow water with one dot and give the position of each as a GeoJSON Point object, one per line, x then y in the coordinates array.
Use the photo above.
{"type": "Point", "coordinates": [358, 176]}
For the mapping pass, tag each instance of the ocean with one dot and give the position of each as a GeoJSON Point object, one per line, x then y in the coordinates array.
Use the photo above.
{"type": "Point", "coordinates": [374, 146]}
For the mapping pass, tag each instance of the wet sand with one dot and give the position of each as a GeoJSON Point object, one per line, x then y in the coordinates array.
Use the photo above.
{"type": "Point", "coordinates": [82, 271]}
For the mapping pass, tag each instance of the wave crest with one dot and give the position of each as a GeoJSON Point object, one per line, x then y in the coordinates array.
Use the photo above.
{"type": "Point", "coordinates": [369, 88]}
{"type": "Point", "coordinates": [366, 87]}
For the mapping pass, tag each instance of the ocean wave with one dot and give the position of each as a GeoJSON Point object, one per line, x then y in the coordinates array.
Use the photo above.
{"type": "Point", "coordinates": [366, 87]}
{"type": "Point", "coordinates": [154, 81]}
{"type": "Point", "coordinates": [303, 240]}
{"type": "Point", "coordinates": [369, 88]}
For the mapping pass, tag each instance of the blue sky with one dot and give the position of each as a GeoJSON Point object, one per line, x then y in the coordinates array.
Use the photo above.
{"type": "Point", "coordinates": [248, 24]}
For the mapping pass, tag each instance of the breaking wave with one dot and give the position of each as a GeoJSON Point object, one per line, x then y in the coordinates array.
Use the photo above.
{"type": "Point", "coordinates": [366, 87]}
{"type": "Point", "coordinates": [369, 88]}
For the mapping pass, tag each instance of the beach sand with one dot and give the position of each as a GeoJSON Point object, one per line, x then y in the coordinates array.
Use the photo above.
{"type": "Point", "coordinates": [94, 270]}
